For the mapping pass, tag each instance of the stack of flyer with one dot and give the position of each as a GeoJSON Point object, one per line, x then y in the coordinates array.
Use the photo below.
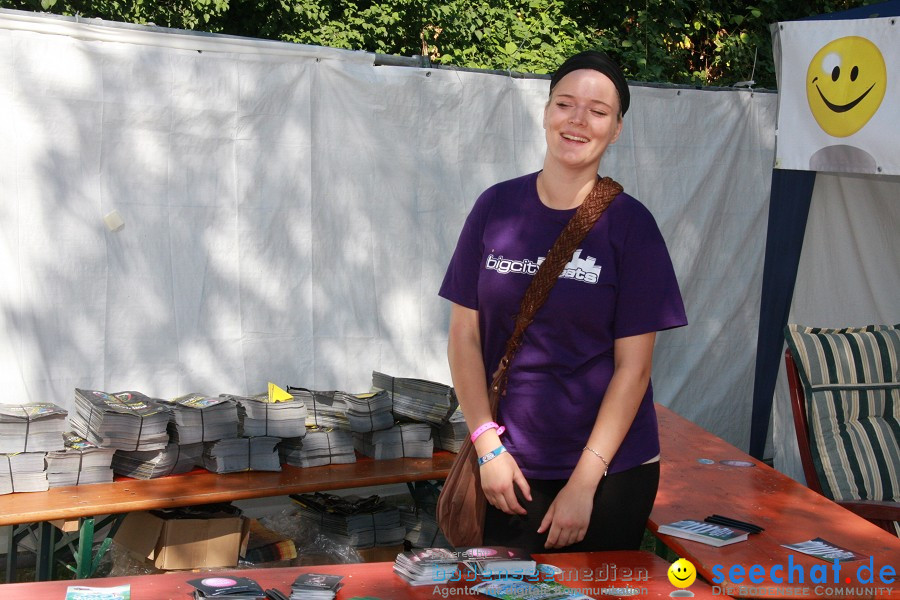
{"type": "Point", "coordinates": [23, 472]}
{"type": "Point", "coordinates": [81, 462]}
{"type": "Point", "coordinates": [352, 520]}
{"type": "Point", "coordinates": [327, 410]}
{"type": "Point", "coordinates": [490, 561]}
{"type": "Point", "coordinates": [389, 529]}
{"type": "Point", "coordinates": [319, 447]}
{"type": "Point", "coordinates": [31, 427]}
{"type": "Point", "coordinates": [233, 588]}
{"type": "Point", "coordinates": [200, 418]}
{"type": "Point", "coordinates": [315, 586]}
{"type": "Point", "coordinates": [123, 420]}
{"type": "Point", "coordinates": [417, 399]}
{"type": "Point", "coordinates": [451, 435]}
{"type": "Point", "coordinates": [411, 440]}
{"type": "Point", "coordinates": [83, 592]}
{"type": "Point", "coordinates": [150, 464]}
{"type": "Point", "coordinates": [272, 413]}
{"type": "Point", "coordinates": [706, 533]}
{"type": "Point", "coordinates": [367, 412]}
{"type": "Point", "coordinates": [426, 566]}
{"type": "Point", "coordinates": [422, 530]}
{"type": "Point", "coordinates": [242, 454]}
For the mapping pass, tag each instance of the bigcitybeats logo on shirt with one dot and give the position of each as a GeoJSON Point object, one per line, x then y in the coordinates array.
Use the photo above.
{"type": "Point", "coordinates": [578, 269]}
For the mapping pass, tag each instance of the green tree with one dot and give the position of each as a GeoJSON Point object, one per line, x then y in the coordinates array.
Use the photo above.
{"type": "Point", "coordinates": [695, 42]}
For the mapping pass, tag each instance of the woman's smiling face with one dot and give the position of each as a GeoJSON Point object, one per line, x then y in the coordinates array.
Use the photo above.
{"type": "Point", "coordinates": [582, 118]}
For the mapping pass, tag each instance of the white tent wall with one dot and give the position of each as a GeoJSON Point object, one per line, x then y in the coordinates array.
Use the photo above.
{"type": "Point", "coordinates": [289, 213]}
{"type": "Point", "coordinates": [848, 276]}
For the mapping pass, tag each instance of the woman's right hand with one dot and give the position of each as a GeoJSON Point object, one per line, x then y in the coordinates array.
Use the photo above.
{"type": "Point", "coordinates": [499, 479]}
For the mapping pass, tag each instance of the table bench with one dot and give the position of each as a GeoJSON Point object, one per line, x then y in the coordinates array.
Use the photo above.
{"type": "Point", "coordinates": [789, 511]}
{"type": "Point", "coordinates": [75, 507]}
{"type": "Point", "coordinates": [591, 572]}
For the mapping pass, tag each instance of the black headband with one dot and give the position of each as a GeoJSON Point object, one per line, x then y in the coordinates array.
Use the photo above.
{"type": "Point", "coordinates": [598, 61]}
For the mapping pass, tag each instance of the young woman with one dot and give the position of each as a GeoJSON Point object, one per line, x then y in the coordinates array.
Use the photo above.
{"type": "Point", "coordinates": [575, 466]}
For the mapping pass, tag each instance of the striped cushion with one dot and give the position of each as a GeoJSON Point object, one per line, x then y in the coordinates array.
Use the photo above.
{"type": "Point", "coordinates": [850, 380]}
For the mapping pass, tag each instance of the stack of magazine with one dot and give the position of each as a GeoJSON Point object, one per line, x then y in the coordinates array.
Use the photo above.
{"type": "Point", "coordinates": [426, 566]}
{"type": "Point", "coordinates": [451, 435]}
{"type": "Point", "coordinates": [327, 410]}
{"type": "Point", "coordinates": [418, 399]}
{"type": "Point", "coordinates": [422, 530]}
{"type": "Point", "coordinates": [31, 427]}
{"type": "Point", "coordinates": [315, 586]}
{"type": "Point", "coordinates": [351, 520]}
{"type": "Point", "coordinates": [261, 416]}
{"type": "Point", "coordinates": [319, 447]}
{"type": "Point", "coordinates": [150, 464]}
{"type": "Point", "coordinates": [411, 440]}
{"type": "Point", "coordinates": [242, 454]}
{"type": "Point", "coordinates": [23, 472]}
{"type": "Point", "coordinates": [124, 420]}
{"type": "Point", "coordinates": [368, 412]}
{"type": "Point", "coordinates": [389, 528]}
{"type": "Point", "coordinates": [199, 418]}
{"type": "Point", "coordinates": [81, 462]}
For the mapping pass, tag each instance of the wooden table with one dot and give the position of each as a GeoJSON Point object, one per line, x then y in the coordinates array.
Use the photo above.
{"type": "Point", "coordinates": [203, 487]}
{"type": "Point", "coordinates": [592, 573]}
{"type": "Point", "coordinates": [83, 503]}
{"type": "Point", "coordinates": [789, 512]}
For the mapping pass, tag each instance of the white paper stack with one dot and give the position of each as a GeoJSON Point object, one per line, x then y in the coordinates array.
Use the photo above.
{"type": "Point", "coordinates": [367, 412]}
{"type": "Point", "coordinates": [418, 399]}
{"type": "Point", "coordinates": [80, 463]}
{"type": "Point", "coordinates": [319, 447]}
{"type": "Point", "coordinates": [200, 418]}
{"type": "Point", "coordinates": [242, 454]}
{"type": "Point", "coordinates": [23, 472]}
{"type": "Point", "coordinates": [451, 435]}
{"type": "Point", "coordinates": [31, 427]}
{"type": "Point", "coordinates": [150, 464]}
{"type": "Point", "coordinates": [260, 416]}
{"type": "Point", "coordinates": [410, 440]}
{"type": "Point", "coordinates": [124, 420]}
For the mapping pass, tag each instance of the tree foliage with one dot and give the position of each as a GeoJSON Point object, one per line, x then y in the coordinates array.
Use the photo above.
{"type": "Point", "coordinates": [699, 42]}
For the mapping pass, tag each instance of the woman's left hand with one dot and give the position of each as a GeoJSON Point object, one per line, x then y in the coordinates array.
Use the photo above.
{"type": "Point", "coordinates": [568, 517]}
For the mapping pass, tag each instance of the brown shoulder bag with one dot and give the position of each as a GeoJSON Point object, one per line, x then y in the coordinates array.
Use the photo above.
{"type": "Point", "coordinates": [461, 505]}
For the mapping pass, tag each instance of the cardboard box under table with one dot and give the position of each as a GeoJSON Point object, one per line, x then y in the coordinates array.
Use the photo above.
{"type": "Point", "coordinates": [171, 542]}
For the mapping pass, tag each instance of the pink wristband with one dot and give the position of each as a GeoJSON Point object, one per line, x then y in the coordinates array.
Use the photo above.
{"type": "Point", "coordinates": [489, 425]}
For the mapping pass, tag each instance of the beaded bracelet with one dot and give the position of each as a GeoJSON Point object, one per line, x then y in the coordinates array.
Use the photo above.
{"type": "Point", "coordinates": [597, 454]}
{"type": "Point", "coordinates": [491, 455]}
{"type": "Point", "coordinates": [489, 425]}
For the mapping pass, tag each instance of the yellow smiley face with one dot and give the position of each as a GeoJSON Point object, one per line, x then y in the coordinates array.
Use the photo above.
{"type": "Point", "coordinates": [682, 573]}
{"type": "Point", "coordinates": [845, 84]}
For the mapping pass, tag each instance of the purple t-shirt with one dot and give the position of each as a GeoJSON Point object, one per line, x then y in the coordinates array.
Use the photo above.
{"type": "Point", "coordinates": [619, 283]}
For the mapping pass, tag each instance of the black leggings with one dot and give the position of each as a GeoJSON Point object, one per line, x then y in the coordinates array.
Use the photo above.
{"type": "Point", "coordinates": [621, 506]}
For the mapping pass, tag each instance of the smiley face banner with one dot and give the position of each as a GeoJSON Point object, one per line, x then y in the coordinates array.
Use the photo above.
{"type": "Point", "coordinates": [838, 95]}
